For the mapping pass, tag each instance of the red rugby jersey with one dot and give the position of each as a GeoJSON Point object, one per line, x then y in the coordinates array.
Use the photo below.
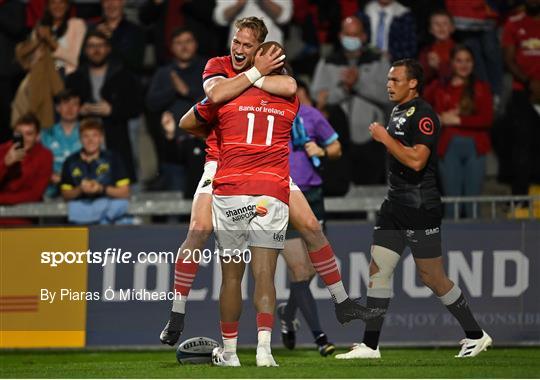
{"type": "Point", "coordinates": [219, 67]}
{"type": "Point", "coordinates": [205, 112]}
{"type": "Point", "coordinates": [254, 131]}
{"type": "Point", "coordinates": [215, 67]}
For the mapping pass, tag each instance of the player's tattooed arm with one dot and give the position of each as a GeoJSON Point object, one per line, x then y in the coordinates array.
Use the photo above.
{"type": "Point", "coordinates": [193, 126]}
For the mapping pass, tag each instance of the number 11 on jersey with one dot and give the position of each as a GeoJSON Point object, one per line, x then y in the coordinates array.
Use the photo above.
{"type": "Point", "coordinates": [251, 125]}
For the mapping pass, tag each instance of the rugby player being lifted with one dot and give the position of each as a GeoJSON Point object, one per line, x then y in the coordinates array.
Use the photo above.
{"type": "Point", "coordinates": [224, 79]}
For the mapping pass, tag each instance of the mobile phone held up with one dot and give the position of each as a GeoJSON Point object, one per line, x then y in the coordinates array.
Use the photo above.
{"type": "Point", "coordinates": [18, 141]}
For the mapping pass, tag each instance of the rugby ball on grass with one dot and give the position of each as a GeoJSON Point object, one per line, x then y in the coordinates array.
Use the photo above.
{"type": "Point", "coordinates": [196, 350]}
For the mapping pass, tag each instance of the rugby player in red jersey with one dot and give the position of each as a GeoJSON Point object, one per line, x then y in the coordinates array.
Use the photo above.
{"type": "Point", "coordinates": [219, 72]}
{"type": "Point", "coordinates": [250, 209]}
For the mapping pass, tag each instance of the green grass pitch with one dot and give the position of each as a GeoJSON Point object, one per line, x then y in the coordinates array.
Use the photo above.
{"type": "Point", "coordinates": [300, 363]}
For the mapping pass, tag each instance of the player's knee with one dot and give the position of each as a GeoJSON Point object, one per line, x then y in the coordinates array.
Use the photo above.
{"type": "Point", "coordinates": [200, 230]}
{"type": "Point", "coordinates": [301, 272]}
{"type": "Point", "coordinates": [312, 225]}
{"type": "Point", "coordinates": [312, 233]}
{"type": "Point", "coordinates": [381, 273]}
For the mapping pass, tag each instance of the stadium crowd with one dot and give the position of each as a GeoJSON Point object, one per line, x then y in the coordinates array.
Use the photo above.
{"type": "Point", "coordinates": [113, 68]}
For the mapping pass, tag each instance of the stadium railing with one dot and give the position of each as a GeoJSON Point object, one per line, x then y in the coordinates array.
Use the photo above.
{"type": "Point", "coordinates": [362, 199]}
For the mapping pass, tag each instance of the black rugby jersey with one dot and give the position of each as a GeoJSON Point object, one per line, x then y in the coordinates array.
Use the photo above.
{"type": "Point", "coordinates": [413, 123]}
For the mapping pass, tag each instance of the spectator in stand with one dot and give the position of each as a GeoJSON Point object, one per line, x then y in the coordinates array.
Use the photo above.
{"type": "Point", "coordinates": [391, 28]}
{"type": "Point", "coordinates": [465, 108]}
{"type": "Point", "coordinates": [175, 88]}
{"type": "Point", "coordinates": [188, 151]}
{"type": "Point", "coordinates": [165, 16]}
{"type": "Point", "coordinates": [521, 43]}
{"type": "Point", "coordinates": [109, 91]}
{"type": "Point", "coordinates": [274, 12]}
{"type": "Point", "coordinates": [318, 23]}
{"type": "Point", "coordinates": [62, 139]}
{"type": "Point", "coordinates": [94, 181]}
{"type": "Point", "coordinates": [128, 42]}
{"type": "Point", "coordinates": [42, 82]}
{"type": "Point", "coordinates": [476, 27]}
{"type": "Point", "coordinates": [435, 57]}
{"type": "Point", "coordinates": [422, 9]}
{"type": "Point", "coordinates": [354, 77]}
{"type": "Point", "coordinates": [11, 31]}
{"type": "Point", "coordinates": [25, 166]}
{"type": "Point", "coordinates": [64, 33]}
{"type": "Point", "coordinates": [126, 38]}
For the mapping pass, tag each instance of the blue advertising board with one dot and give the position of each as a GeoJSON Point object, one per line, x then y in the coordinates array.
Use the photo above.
{"type": "Point", "coordinates": [493, 263]}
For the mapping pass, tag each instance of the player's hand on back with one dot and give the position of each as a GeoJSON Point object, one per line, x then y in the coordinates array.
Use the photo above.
{"type": "Point", "coordinates": [272, 60]}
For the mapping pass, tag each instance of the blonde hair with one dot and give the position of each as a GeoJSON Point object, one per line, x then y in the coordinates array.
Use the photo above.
{"type": "Point", "coordinates": [255, 24]}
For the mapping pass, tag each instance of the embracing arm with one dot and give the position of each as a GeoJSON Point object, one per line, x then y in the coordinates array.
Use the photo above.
{"type": "Point", "coordinates": [220, 89]}
{"type": "Point", "coordinates": [193, 126]}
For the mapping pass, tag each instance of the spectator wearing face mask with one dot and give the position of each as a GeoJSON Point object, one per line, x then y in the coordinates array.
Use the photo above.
{"type": "Point", "coordinates": [354, 77]}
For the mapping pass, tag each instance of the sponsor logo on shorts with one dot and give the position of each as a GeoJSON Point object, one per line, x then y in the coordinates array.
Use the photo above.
{"type": "Point", "coordinates": [241, 213]}
{"type": "Point", "coordinates": [410, 236]}
{"type": "Point", "coordinates": [261, 209]}
{"type": "Point", "coordinates": [432, 231]}
{"type": "Point", "coordinates": [279, 237]}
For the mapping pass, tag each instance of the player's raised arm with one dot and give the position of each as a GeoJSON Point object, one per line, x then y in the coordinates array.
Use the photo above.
{"type": "Point", "coordinates": [250, 63]}
{"type": "Point", "coordinates": [221, 89]}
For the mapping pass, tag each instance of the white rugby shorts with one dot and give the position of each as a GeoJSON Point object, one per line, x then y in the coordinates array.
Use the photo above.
{"type": "Point", "coordinates": [242, 221]}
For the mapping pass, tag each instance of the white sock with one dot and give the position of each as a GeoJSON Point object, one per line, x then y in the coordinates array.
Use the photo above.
{"type": "Point", "coordinates": [229, 346]}
{"type": "Point", "coordinates": [179, 305]}
{"type": "Point", "coordinates": [264, 337]}
{"type": "Point", "coordinates": [338, 292]}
